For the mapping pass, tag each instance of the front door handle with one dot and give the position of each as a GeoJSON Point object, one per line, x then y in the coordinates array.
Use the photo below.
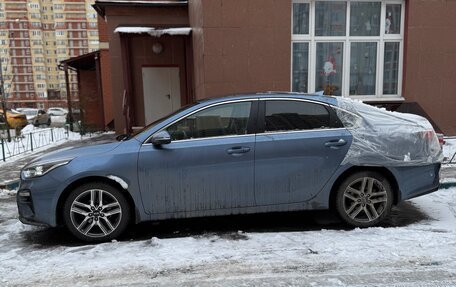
{"type": "Point", "coordinates": [335, 143]}
{"type": "Point", "coordinates": [237, 151]}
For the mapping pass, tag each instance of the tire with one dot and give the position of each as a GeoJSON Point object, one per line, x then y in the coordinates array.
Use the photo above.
{"type": "Point", "coordinates": [364, 199]}
{"type": "Point", "coordinates": [48, 122]}
{"type": "Point", "coordinates": [87, 220]}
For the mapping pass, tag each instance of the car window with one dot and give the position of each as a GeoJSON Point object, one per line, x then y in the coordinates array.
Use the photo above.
{"type": "Point", "coordinates": [221, 120]}
{"type": "Point", "coordinates": [30, 112]}
{"type": "Point", "coordinates": [295, 115]}
{"type": "Point", "coordinates": [349, 119]}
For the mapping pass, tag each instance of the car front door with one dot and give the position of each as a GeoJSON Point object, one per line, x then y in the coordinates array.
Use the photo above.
{"type": "Point", "coordinates": [301, 145]}
{"type": "Point", "coordinates": [208, 166]}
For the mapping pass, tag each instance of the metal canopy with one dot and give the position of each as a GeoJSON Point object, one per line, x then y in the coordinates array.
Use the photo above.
{"type": "Point", "coordinates": [154, 32]}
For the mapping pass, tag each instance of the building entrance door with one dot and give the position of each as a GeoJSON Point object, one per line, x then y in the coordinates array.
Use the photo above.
{"type": "Point", "coordinates": [161, 92]}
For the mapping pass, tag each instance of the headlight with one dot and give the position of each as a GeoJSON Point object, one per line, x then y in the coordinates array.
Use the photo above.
{"type": "Point", "coordinates": [41, 168]}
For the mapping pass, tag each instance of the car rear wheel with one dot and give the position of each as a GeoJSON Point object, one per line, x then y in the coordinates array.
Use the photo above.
{"type": "Point", "coordinates": [364, 199]}
{"type": "Point", "coordinates": [96, 212]}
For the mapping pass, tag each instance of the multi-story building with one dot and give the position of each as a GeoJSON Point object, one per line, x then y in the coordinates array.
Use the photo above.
{"type": "Point", "coordinates": [397, 54]}
{"type": "Point", "coordinates": [35, 35]}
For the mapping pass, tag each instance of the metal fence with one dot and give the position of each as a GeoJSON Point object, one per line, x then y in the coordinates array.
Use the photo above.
{"type": "Point", "coordinates": [28, 142]}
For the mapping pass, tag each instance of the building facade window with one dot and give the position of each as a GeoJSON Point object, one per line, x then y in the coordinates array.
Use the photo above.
{"type": "Point", "coordinates": [34, 5]}
{"type": "Point", "coordinates": [351, 48]}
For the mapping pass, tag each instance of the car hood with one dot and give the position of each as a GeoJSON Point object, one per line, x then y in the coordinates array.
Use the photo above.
{"type": "Point", "coordinates": [71, 152]}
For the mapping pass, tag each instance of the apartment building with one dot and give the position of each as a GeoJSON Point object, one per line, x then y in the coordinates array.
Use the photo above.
{"type": "Point", "coordinates": [35, 35]}
{"type": "Point", "coordinates": [397, 54]}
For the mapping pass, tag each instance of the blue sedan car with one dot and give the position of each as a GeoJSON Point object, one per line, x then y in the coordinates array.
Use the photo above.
{"type": "Point", "coordinates": [246, 154]}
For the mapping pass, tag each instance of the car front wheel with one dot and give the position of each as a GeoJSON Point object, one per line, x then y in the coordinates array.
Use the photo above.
{"type": "Point", "coordinates": [96, 212]}
{"type": "Point", "coordinates": [364, 199]}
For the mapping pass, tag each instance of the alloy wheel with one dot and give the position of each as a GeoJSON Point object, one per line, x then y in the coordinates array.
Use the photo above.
{"type": "Point", "coordinates": [95, 213]}
{"type": "Point", "coordinates": [365, 199]}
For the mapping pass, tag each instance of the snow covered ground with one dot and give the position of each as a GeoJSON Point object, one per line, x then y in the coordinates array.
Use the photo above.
{"type": "Point", "coordinates": [415, 247]}
{"type": "Point", "coordinates": [36, 138]}
{"type": "Point", "coordinates": [416, 254]}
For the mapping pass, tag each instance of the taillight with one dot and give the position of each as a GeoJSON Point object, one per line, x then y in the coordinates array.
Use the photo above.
{"type": "Point", "coordinates": [431, 135]}
{"type": "Point", "coordinates": [428, 135]}
{"type": "Point", "coordinates": [441, 139]}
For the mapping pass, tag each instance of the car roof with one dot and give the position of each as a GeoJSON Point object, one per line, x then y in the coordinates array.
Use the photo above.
{"type": "Point", "coordinates": [285, 95]}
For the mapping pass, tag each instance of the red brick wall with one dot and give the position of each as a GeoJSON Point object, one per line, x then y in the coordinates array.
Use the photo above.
{"type": "Point", "coordinates": [90, 100]}
{"type": "Point", "coordinates": [106, 86]}
{"type": "Point", "coordinates": [134, 16]}
{"type": "Point", "coordinates": [240, 46]}
{"type": "Point", "coordinates": [102, 30]}
{"type": "Point", "coordinates": [430, 74]}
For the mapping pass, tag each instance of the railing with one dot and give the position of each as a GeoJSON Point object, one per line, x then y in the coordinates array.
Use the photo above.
{"type": "Point", "coordinates": [28, 142]}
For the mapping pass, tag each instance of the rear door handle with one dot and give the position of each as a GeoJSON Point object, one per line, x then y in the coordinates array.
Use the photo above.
{"type": "Point", "coordinates": [335, 143]}
{"type": "Point", "coordinates": [237, 151]}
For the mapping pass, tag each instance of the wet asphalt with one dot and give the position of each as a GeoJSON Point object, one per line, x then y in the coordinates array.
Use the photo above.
{"type": "Point", "coordinates": [227, 227]}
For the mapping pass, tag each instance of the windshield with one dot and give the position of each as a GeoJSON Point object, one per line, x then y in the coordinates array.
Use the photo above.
{"type": "Point", "coordinates": [29, 112]}
{"type": "Point", "coordinates": [139, 132]}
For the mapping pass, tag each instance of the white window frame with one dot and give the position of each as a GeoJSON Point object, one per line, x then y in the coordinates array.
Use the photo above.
{"type": "Point", "coordinates": [383, 38]}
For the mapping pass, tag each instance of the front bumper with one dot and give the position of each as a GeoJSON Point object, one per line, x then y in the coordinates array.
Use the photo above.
{"type": "Point", "coordinates": [26, 209]}
{"type": "Point", "coordinates": [36, 201]}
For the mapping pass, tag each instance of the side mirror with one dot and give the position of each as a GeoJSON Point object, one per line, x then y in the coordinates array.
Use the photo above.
{"type": "Point", "coordinates": [161, 138]}
{"type": "Point", "coordinates": [122, 137]}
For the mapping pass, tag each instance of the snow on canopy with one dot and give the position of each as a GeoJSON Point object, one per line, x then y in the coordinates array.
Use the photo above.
{"type": "Point", "coordinates": [153, 31]}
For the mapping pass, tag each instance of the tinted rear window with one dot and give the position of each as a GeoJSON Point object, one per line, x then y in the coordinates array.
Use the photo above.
{"type": "Point", "coordinates": [295, 115]}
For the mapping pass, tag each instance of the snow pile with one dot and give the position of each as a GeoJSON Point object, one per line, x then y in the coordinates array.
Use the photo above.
{"type": "Point", "coordinates": [449, 150]}
{"type": "Point", "coordinates": [28, 128]}
{"type": "Point", "coordinates": [6, 193]}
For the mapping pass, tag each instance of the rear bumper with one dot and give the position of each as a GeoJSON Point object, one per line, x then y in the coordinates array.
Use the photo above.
{"type": "Point", "coordinates": [418, 180]}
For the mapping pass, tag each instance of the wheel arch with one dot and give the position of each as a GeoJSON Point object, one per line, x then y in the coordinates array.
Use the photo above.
{"type": "Point", "coordinates": [354, 169]}
{"type": "Point", "coordinates": [59, 216]}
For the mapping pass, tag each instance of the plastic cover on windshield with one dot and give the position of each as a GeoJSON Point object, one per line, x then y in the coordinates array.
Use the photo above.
{"type": "Point", "coordinates": [385, 138]}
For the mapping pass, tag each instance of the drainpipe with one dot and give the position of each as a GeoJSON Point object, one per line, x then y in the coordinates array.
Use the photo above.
{"type": "Point", "coordinates": [67, 82]}
{"type": "Point", "coordinates": [2, 90]}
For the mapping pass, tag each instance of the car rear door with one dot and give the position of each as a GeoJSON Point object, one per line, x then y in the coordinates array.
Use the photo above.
{"type": "Point", "coordinates": [208, 166]}
{"type": "Point", "coordinates": [299, 146]}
